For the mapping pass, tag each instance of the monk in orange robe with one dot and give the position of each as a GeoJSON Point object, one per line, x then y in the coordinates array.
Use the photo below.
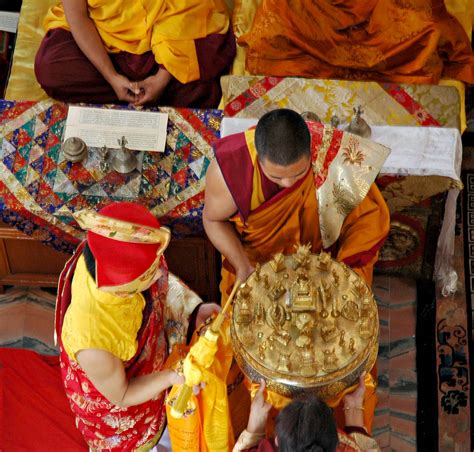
{"type": "Point", "coordinates": [288, 182]}
{"type": "Point", "coordinates": [414, 41]}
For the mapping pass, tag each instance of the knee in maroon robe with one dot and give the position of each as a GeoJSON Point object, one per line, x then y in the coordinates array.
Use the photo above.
{"type": "Point", "coordinates": [66, 74]}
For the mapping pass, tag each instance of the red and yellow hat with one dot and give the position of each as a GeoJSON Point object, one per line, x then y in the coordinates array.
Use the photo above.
{"type": "Point", "coordinates": [127, 243]}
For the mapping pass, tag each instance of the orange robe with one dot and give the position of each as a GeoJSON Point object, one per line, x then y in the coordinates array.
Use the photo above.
{"type": "Point", "coordinates": [380, 40]}
{"type": "Point", "coordinates": [270, 220]}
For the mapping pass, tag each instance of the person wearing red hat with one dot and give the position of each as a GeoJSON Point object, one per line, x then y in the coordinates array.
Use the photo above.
{"type": "Point", "coordinates": [119, 314]}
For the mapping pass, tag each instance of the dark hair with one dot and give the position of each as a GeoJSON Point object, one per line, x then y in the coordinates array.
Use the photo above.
{"type": "Point", "coordinates": [306, 425]}
{"type": "Point", "coordinates": [90, 260]}
{"type": "Point", "coordinates": [282, 137]}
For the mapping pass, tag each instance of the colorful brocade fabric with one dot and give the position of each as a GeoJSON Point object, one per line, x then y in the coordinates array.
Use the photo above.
{"type": "Point", "coordinates": [103, 424]}
{"type": "Point", "coordinates": [40, 191]}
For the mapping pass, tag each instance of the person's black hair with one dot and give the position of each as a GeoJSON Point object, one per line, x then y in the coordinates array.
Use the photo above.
{"type": "Point", "coordinates": [282, 137]}
{"type": "Point", "coordinates": [90, 260]}
{"type": "Point", "coordinates": [306, 425]}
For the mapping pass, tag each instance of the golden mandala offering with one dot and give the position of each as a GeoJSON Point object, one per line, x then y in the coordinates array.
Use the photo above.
{"type": "Point", "coordinates": [306, 324]}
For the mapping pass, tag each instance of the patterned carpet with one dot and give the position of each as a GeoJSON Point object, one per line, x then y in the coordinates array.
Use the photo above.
{"type": "Point", "coordinates": [27, 318]}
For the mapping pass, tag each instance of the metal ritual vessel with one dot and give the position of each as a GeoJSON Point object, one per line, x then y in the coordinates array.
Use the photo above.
{"type": "Point", "coordinates": [306, 324]}
{"type": "Point", "coordinates": [74, 149]}
{"type": "Point", "coordinates": [358, 125]}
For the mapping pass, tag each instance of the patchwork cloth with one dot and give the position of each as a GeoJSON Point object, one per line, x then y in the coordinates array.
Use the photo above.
{"type": "Point", "coordinates": [40, 190]}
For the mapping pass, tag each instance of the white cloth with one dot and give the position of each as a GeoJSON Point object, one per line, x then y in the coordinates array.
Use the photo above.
{"type": "Point", "coordinates": [420, 151]}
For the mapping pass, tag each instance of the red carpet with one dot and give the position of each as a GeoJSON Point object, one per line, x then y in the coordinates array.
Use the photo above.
{"type": "Point", "coordinates": [34, 411]}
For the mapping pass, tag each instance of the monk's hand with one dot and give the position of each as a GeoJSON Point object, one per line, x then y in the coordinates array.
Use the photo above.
{"type": "Point", "coordinates": [243, 272]}
{"type": "Point", "coordinates": [356, 398]}
{"type": "Point", "coordinates": [152, 87]}
{"type": "Point", "coordinates": [258, 411]}
{"type": "Point", "coordinates": [124, 89]}
{"type": "Point", "coordinates": [354, 405]}
{"type": "Point", "coordinates": [205, 311]}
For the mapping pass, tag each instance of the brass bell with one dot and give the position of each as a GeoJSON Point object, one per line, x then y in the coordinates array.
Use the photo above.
{"type": "Point", "coordinates": [74, 149]}
{"type": "Point", "coordinates": [124, 161]}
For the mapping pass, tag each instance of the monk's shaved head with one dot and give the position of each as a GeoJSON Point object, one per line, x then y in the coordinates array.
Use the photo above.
{"type": "Point", "coordinates": [282, 137]}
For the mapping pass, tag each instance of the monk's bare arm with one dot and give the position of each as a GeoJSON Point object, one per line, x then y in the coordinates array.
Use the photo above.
{"type": "Point", "coordinates": [107, 373]}
{"type": "Point", "coordinates": [87, 38]}
{"type": "Point", "coordinates": [219, 206]}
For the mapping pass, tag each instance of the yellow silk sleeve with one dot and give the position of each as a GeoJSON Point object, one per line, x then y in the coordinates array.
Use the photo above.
{"type": "Point", "coordinates": [174, 32]}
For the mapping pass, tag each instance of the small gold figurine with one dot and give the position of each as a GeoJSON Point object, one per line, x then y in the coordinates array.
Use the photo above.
{"type": "Point", "coordinates": [278, 262]}
{"type": "Point", "coordinates": [308, 366]}
{"type": "Point", "coordinates": [247, 337]}
{"type": "Point", "coordinates": [328, 332]}
{"type": "Point", "coordinates": [244, 291]}
{"type": "Point", "coordinates": [325, 261]}
{"type": "Point", "coordinates": [359, 290]}
{"type": "Point", "coordinates": [330, 360]}
{"type": "Point", "coordinates": [351, 346]}
{"type": "Point", "coordinates": [322, 296]}
{"type": "Point", "coordinates": [284, 363]}
{"type": "Point", "coordinates": [365, 328]}
{"type": "Point", "coordinates": [259, 313]}
{"type": "Point", "coordinates": [304, 322]}
{"type": "Point", "coordinates": [342, 341]}
{"type": "Point", "coordinates": [261, 350]}
{"type": "Point", "coordinates": [334, 311]}
{"type": "Point", "coordinates": [266, 284]}
{"type": "Point", "coordinates": [336, 278]}
{"type": "Point", "coordinates": [276, 316]}
{"type": "Point", "coordinates": [365, 309]}
{"type": "Point", "coordinates": [258, 269]}
{"type": "Point", "coordinates": [281, 336]}
{"type": "Point", "coordinates": [277, 290]}
{"type": "Point", "coordinates": [243, 314]}
{"type": "Point", "coordinates": [301, 257]}
{"type": "Point", "coordinates": [302, 294]}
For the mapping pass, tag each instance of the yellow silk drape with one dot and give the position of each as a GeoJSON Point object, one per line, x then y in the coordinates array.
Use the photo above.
{"type": "Point", "coordinates": [208, 426]}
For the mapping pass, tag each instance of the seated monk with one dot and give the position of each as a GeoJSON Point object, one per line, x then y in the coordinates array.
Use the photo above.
{"type": "Point", "coordinates": [118, 315]}
{"type": "Point", "coordinates": [288, 182]}
{"type": "Point", "coordinates": [138, 52]}
{"type": "Point", "coordinates": [307, 424]}
{"type": "Point", "coordinates": [380, 40]}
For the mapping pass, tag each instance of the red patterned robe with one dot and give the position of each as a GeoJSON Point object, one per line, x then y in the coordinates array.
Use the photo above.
{"type": "Point", "coordinates": [103, 424]}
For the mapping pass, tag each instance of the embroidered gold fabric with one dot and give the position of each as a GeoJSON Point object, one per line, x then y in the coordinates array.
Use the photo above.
{"type": "Point", "coordinates": [348, 181]}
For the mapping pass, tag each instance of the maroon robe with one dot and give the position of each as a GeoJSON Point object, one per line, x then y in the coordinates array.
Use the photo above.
{"type": "Point", "coordinates": [66, 74]}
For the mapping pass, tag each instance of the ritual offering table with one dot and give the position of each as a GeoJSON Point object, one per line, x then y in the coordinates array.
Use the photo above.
{"type": "Point", "coordinates": [306, 324]}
